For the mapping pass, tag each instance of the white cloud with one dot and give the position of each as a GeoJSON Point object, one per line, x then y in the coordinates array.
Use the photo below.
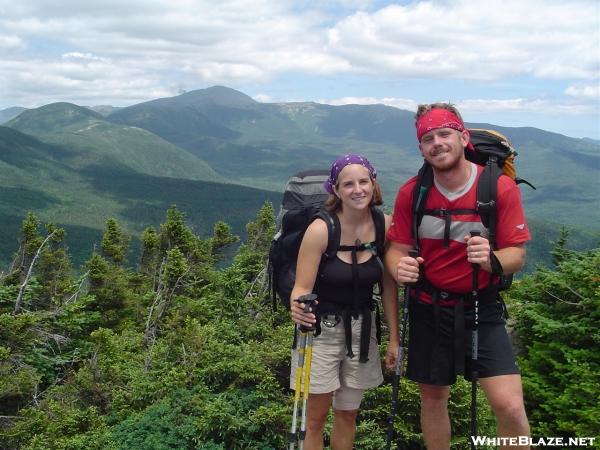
{"type": "Point", "coordinates": [538, 106]}
{"type": "Point", "coordinates": [401, 103]}
{"type": "Point", "coordinates": [582, 91]}
{"type": "Point", "coordinates": [83, 57]}
{"type": "Point", "coordinates": [258, 39]}
{"type": "Point", "coordinates": [8, 43]}
{"type": "Point", "coordinates": [71, 80]}
{"type": "Point", "coordinates": [121, 52]}
{"type": "Point", "coordinates": [483, 40]}
{"type": "Point", "coordinates": [263, 98]}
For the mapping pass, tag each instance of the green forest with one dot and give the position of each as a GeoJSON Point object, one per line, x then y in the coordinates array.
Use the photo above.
{"type": "Point", "coordinates": [182, 349]}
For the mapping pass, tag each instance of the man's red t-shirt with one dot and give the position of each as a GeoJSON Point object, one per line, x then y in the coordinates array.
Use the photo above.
{"type": "Point", "coordinates": [448, 268]}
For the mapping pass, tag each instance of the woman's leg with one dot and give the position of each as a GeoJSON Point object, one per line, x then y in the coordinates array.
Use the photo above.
{"type": "Point", "coordinates": [316, 416]}
{"type": "Point", "coordinates": [346, 402]}
{"type": "Point", "coordinates": [344, 429]}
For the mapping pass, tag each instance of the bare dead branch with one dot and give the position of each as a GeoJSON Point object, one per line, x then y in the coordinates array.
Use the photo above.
{"type": "Point", "coordinates": [28, 276]}
{"type": "Point", "coordinates": [261, 280]}
{"type": "Point", "coordinates": [576, 293]}
{"type": "Point", "coordinates": [560, 299]}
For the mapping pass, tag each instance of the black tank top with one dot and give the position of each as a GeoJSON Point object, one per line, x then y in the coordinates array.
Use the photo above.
{"type": "Point", "coordinates": [335, 286]}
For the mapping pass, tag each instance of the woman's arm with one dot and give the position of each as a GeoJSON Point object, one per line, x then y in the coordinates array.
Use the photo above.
{"type": "Point", "coordinates": [312, 248]}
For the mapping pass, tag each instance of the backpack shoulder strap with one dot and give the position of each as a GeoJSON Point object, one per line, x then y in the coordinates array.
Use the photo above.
{"type": "Point", "coordinates": [419, 198]}
{"type": "Point", "coordinates": [333, 231]}
{"type": "Point", "coordinates": [379, 221]}
{"type": "Point", "coordinates": [487, 191]}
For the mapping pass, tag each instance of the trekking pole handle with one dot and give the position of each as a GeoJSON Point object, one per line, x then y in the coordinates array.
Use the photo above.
{"type": "Point", "coordinates": [308, 300]}
{"type": "Point", "coordinates": [474, 234]}
{"type": "Point", "coordinates": [413, 254]}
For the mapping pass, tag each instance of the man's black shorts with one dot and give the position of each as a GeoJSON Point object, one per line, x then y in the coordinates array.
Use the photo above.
{"type": "Point", "coordinates": [431, 355]}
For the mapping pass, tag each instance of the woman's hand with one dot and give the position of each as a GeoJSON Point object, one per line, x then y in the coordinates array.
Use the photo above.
{"type": "Point", "coordinates": [303, 315]}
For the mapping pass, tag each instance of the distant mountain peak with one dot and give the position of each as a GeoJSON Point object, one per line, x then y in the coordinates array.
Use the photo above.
{"type": "Point", "coordinates": [219, 95]}
{"type": "Point", "coordinates": [65, 108]}
{"type": "Point", "coordinates": [10, 113]}
{"type": "Point", "coordinates": [52, 117]}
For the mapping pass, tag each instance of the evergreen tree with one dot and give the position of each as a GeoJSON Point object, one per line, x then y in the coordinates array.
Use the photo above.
{"type": "Point", "coordinates": [54, 271]}
{"type": "Point", "coordinates": [221, 238]}
{"type": "Point", "coordinates": [150, 252]}
{"type": "Point", "coordinates": [109, 287]}
{"type": "Point", "coordinates": [115, 243]}
{"type": "Point", "coordinates": [559, 251]}
{"type": "Point", "coordinates": [175, 232]}
{"type": "Point", "coordinates": [557, 313]}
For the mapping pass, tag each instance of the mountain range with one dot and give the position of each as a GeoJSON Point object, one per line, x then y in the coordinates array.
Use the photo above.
{"type": "Point", "coordinates": [218, 154]}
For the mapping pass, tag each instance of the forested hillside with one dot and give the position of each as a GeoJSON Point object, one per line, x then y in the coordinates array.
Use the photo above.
{"type": "Point", "coordinates": [175, 352]}
{"type": "Point", "coordinates": [80, 189]}
{"type": "Point", "coordinates": [76, 167]}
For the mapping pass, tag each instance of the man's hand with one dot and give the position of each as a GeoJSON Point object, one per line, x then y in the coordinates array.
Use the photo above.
{"type": "Point", "coordinates": [391, 355]}
{"type": "Point", "coordinates": [407, 270]}
{"type": "Point", "coordinates": [478, 251]}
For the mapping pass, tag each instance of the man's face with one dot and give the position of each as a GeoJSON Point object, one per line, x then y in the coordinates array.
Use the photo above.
{"type": "Point", "coordinates": [443, 148]}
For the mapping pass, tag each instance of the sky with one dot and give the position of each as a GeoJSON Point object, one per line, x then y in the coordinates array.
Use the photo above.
{"type": "Point", "coordinates": [507, 62]}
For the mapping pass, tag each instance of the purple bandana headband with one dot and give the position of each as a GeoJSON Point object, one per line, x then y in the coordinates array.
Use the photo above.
{"type": "Point", "coordinates": [342, 162]}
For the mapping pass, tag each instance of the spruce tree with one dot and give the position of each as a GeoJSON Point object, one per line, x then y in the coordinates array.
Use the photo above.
{"type": "Point", "coordinates": [115, 243]}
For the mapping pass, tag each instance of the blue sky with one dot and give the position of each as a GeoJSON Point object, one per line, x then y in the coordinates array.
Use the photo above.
{"type": "Point", "coordinates": [507, 62]}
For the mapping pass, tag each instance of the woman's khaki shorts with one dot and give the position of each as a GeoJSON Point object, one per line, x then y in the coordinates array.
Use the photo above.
{"type": "Point", "coordinates": [332, 369]}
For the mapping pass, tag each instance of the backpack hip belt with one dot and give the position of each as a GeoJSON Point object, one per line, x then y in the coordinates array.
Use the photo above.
{"type": "Point", "coordinates": [449, 298]}
{"type": "Point", "coordinates": [347, 313]}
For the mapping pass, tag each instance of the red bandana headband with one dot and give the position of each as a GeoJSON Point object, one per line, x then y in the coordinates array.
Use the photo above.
{"type": "Point", "coordinates": [438, 118]}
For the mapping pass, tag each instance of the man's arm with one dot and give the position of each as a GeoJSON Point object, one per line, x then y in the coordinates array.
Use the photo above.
{"type": "Point", "coordinates": [402, 268]}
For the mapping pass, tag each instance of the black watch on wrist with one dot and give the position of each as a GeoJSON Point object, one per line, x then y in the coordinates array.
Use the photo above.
{"type": "Point", "coordinates": [495, 264]}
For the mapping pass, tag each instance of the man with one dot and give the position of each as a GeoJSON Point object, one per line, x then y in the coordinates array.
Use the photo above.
{"type": "Point", "coordinates": [441, 310]}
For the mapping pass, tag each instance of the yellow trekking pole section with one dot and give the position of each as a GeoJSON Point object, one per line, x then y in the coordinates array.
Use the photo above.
{"type": "Point", "coordinates": [302, 382]}
{"type": "Point", "coordinates": [306, 389]}
{"type": "Point", "coordinates": [298, 385]}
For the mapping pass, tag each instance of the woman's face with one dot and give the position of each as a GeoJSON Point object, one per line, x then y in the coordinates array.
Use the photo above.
{"type": "Point", "coordinates": [354, 187]}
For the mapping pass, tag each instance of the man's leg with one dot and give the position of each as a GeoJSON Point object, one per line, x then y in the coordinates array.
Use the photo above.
{"type": "Point", "coordinates": [505, 395]}
{"type": "Point", "coordinates": [435, 422]}
{"type": "Point", "coordinates": [316, 416]}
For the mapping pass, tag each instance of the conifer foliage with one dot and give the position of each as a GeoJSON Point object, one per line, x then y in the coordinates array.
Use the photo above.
{"type": "Point", "coordinates": [183, 350]}
{"type": "Point", "coordinates": [557, 316]}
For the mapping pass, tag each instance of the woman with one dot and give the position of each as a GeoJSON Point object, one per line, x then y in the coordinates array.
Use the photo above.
{"type": "Point", "coordinates": [342, 368]}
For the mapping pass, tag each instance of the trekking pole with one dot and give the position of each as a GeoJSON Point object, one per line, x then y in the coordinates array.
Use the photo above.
{"type": "Point", "coordinates": [302, 376]}
{"type": "Point", "coordinates": [474, 347]}
{"type": "Point", "coordinates": [399, 362]}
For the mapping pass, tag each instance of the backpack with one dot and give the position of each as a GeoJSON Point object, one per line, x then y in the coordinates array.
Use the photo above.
{"type": "Point", "coordinates": [492, 150]}
{"type": "Point", "coordinates": [303, 200]}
